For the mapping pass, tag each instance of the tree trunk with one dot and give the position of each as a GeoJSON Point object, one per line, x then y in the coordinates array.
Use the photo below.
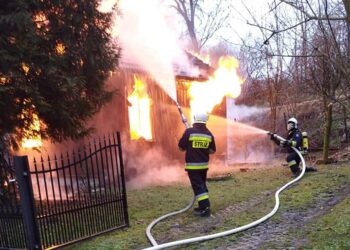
{"type": "Point", "coordinates": [345, 125]}
{"type": "Point", "coordinates": [194, 43]}
{"type": "Point", "coordinates": [272, 102]}
{"type": "Point", "coordinates": [327, 130]}
{"type": "Point", "coordinates": [285, 121]}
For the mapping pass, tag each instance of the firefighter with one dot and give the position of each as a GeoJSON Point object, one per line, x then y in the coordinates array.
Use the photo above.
{"type": "Point", "coordinates": [294, 139]}
{"type": "Point", "coordinates": [198, 142]}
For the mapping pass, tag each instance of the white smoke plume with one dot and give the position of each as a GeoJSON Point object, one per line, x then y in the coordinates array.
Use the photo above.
{"type": "Point", "coordinates": [147, 165]}
{"type": "Point", "coordinates": [149, 39]}
{"type": "Point", "coordinates": [242, 112]}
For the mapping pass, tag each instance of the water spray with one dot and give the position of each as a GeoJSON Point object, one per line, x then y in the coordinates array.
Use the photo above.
{"type": "Point", "coordinates": [183, 117]}
{"type": "Point", "coordinates": [231, 231]}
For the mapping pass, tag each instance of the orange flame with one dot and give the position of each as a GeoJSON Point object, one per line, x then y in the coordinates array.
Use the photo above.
{"type": "Point", "coordinates": [25, 68]}
{"type": "Point", "coordinates": [139, 112]}
{"type": "Point", "coordinates": [60, 48]}
{"type": "Point", "coordinates": [224, 82]}
{"type": "Point", "coordinates": [33, 139]}
{"type": "Point", "coordinates": [3, 80]}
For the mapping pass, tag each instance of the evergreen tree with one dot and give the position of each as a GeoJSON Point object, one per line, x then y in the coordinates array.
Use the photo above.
{"type": "Point", "coordinates": [55, 56]}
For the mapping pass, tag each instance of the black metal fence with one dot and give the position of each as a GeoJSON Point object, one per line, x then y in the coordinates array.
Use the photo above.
{"type": "Point", "coordinates": [67, 198]}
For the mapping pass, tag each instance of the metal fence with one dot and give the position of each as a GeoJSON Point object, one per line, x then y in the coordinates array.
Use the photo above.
{"type": "Point", "coordinates": [71, 197]}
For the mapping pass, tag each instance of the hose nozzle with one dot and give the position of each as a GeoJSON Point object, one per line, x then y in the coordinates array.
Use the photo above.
{"type": "Point", "coordinates": [274, 136]}
{"type": "Point", "coordinates": [183, 117]}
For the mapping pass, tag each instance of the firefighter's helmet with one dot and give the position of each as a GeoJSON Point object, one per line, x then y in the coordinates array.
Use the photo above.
{"type": "Point", "coordinates": [200, 117]}
{"type": "Point", "coordinates": [292, 124]}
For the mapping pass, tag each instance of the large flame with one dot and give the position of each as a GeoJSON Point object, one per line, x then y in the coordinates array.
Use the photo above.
{"type": "Point", "coordinates": [139, 112]}
{"type": "Point", "coordinates": [224, 82]}
{"type": "Point", "coordinates": [33, 139]}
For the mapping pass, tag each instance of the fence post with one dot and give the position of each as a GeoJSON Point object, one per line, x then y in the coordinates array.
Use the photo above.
{"type": "Point", "coordinates": [27, 202]}
{"type": "Point", "coordinates": [125, 203]}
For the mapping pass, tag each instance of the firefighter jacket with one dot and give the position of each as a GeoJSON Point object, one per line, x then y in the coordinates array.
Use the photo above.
{"type": "Point", "coordinates": [295, 138]}
{"type": "Point", "coordinates": [198, 142]}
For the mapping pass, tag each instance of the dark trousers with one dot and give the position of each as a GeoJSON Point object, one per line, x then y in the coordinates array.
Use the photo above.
{"type": "Point", "coordinates": [198, 180]}
{"type": "Point", "coordinates": [293, 161]}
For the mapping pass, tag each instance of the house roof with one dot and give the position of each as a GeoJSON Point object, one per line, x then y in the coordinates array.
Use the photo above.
{"type": "Point", "coordinates": [200, 71]}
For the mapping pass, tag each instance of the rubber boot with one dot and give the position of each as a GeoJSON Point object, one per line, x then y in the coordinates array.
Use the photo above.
{"type": "Point", "coordinates": [205, 212]}
{"type": "Point", "coordinates": [295, 171]}
{"type": "Point", "coordinates": [196, 209]}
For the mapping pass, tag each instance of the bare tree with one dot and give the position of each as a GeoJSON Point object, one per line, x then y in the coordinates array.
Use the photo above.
{"type": "Point", "coordinates": [328, 69]}
{"type": "Point", "coordinates": [317, 42]}
{"type": "Point", "coordinates": [203, 21]}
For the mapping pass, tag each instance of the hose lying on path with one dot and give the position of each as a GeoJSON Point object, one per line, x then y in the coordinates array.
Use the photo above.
{"type": "Point", "coordinates": [224, 233]}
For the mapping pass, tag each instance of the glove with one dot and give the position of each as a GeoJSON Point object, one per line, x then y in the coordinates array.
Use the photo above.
{"type": "Point", "coordinates": [272, 137]}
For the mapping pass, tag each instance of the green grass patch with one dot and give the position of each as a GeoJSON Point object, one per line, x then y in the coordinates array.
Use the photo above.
{"type": "Point", "coordinates": [148, 204]}
{"type": "Point", "coordinates": [324, 181]}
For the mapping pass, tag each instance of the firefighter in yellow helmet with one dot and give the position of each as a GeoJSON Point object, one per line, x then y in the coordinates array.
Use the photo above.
{"type": "Point", "coordinates": [198, 142]}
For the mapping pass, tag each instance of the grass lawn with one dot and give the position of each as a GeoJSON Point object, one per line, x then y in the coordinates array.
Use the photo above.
{"type": "Point", "coordinates": [330, 230]}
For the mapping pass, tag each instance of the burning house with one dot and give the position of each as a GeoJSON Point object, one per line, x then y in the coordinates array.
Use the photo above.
{"type": "Point", "coordinates": [154, 73]}
{"type": "Point", "coordinates": [144, 111]}
{"type": "Point", "coordinates": [147, 116]}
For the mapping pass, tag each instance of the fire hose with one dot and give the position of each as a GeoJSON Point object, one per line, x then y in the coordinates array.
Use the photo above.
{"type": "Point", "coordinates": [224, 233]}
{"type": "Point", "coordinates": [183, 117]}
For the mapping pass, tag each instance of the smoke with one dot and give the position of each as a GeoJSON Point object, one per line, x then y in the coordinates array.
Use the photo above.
{"type": "Point", "coordinates": [149, 165]}
{"type": "Point", "coordinates": [242, 112]}
{"type": "Point", "coordinates": [107, 5]}
{"type": "Point", "coordinates": [149, 39]}
{"type": "Point", "coordinates": [244, 142]}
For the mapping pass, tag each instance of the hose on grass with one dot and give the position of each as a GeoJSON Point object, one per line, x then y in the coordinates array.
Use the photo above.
{"type": "Point", "coordinates": [224, 233]}
{"type": "Point", "coordinates": [153, 223]}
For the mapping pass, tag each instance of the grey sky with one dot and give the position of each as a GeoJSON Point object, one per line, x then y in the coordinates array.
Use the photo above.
{"type": "Point", "coordinates": [237, 26]}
